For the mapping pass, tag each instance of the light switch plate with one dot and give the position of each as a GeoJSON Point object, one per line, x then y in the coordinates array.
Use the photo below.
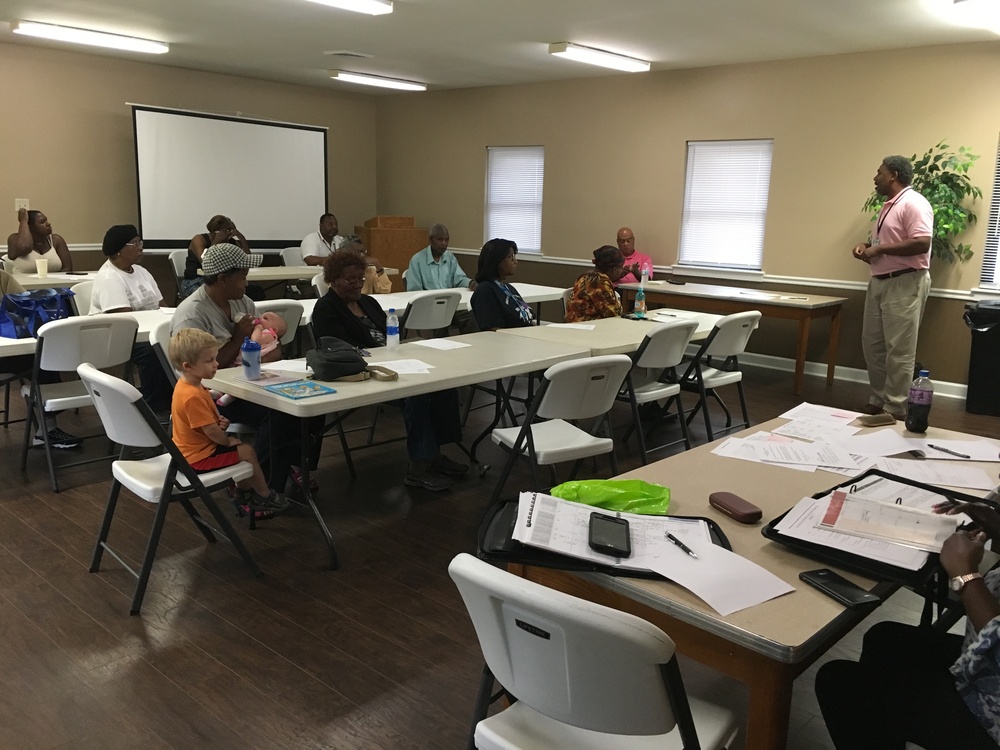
{"type": "Point", "coordinates": [20, 203]}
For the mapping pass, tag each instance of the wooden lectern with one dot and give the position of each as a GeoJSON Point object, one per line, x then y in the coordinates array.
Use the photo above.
{"type": "Point", "coordinates": [393, 240]}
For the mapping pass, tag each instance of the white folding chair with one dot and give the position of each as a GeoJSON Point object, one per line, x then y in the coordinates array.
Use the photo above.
{"type": "Point", "coordinates": [581, 675]}
{"type": "Point", "coordinates": [162, 479]}
{"type": "Point", "coordinates": [62, 346]}
{"type": "Point", "coordinates": [319, 285]}
{"type": "Point", "coordinates": [654, 379]}
{"type": "Point", "coordinates": [567, 295]}
{"type": "Point", "coordinates": [723, 346]}
{"type": "Point", "coordinates": [575, 390]}
{"type": "Point", "coordinates": [431, 311]}
{"type": "Point", "coordinates": [178, 259]}
{"type": "Point", "coordinates": [403, 277]}
{"type": "Point", "coordinates": [7, 264]}
{"type": "Point", "coordinates": [292, 256]}
{"type": "Point", "coordinates": [82, 293]}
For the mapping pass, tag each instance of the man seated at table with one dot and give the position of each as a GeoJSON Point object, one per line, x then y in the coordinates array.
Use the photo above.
{"type": "Point", "coordinates": [318, 245]}
{"type": "Point", "coordinates": [634, 260]}
{"type": "Point", "coordinates": [435, 267]}
{"type": "Point", "coordinates": [220, 307]}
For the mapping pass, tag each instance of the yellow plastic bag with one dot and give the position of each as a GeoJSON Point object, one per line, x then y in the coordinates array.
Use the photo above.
{"type": "Point", "coordinates": [621, 495]}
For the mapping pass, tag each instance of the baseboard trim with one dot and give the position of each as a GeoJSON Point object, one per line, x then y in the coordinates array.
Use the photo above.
{"type": "Point", "coordinates": [942, 389]}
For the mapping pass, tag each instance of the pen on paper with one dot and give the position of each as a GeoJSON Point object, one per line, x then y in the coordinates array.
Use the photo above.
{"type": "Point", "coordinates": [677, 542]}
{"type": "Point", "coordinates": [949, 451]}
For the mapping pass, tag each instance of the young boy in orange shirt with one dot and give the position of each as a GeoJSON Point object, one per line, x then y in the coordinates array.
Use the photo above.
{"type": "Point", "coordinates": [199, 431]}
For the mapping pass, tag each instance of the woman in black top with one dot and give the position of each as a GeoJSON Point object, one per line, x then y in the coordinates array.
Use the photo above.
{"type": "Point", "coordinates": [220, 229]}
{"type": "Point", "coordinates": [495, 303]}
{"type": "Point", "coordinates": [431, 419]}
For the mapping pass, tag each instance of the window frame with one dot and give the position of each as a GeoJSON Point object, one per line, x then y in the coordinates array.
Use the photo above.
{"type": "Point", "coordinates": [522, 208]}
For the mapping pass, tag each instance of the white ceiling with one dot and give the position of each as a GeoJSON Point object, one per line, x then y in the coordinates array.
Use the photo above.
{"type": "Point", "coordinates": [467, 43]}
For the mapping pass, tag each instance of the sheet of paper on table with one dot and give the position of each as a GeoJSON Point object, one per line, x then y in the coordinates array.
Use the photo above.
{"type": "Point", "coordinates": [724, 580]}
{"type": "Point", "coordinates": [970, 450]}
{"type": "Point", "coordinates": [578, 326]}
{"type": "Point", "coordinates": [442, 344]}
{"type": "Point", "coordinates": [815, 429]}
{"type": "Point", "coordinates": [811, 454]}
{"type": "Point", "coordinates": [287, 365]}
{"type": "Point", "coordinates": [408, 366]}
{"type": "Point", "coordinates": [938, 473]}
{"type": "Point", "coordinates": [814, 411]}
{"type": "Point", "coordinates": [744, 449]}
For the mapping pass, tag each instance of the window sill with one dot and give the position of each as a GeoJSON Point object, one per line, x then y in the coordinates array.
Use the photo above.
{"type": "Point", "coordinates": [731, 274]}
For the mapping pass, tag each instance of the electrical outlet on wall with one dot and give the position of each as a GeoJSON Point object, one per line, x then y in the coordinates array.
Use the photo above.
{"type": "Point", "coordinates": [20, 203]}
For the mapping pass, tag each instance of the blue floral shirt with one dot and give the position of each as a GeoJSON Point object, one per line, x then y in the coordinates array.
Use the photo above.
{"type": "Point", "coordinates": [977, 671]}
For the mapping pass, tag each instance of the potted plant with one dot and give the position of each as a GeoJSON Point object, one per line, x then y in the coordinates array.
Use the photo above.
{"type": "Point", "coordinates": [942, 177]}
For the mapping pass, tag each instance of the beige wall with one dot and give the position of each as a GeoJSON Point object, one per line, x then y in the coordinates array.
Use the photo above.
{"type": "Point", "coordinates": [615, 152]}
{"type": "Point", "coordinates": [615, 148]}
{"type": "Point", "coordinates": [66, 134]}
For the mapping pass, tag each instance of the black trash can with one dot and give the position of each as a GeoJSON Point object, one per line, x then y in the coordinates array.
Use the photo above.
{"type": "Point", "coordinates": [983, 396]}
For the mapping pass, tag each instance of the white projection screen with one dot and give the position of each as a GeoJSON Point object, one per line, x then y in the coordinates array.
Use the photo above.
{"type": "Point", "coordinates": [270, 178]}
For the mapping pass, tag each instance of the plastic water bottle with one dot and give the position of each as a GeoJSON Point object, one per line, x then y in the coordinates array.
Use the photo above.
{"type": "Point", "coordinates": [250, 353]}
{"type": "Point", "coordinates": [392, 329]}
{"type": "Point", "coordinates": [640, 303]}
{"type": "Point", "coordinates": [918, 407]}
{"type": "Point", "coordinates": [645, 277]}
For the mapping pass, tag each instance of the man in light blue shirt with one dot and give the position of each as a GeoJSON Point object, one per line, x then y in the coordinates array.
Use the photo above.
{"type": "Point", "coordinates": [434, 267]}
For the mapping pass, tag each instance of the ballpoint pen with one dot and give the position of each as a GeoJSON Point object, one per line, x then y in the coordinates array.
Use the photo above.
{"type": "Point", "coordinates": [949, 451]}
{"type": "Point", "coordinates": [674, 540]}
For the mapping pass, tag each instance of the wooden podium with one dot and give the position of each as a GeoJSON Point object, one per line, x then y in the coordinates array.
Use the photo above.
{"type": "Point", "coordinates": [393, 240]}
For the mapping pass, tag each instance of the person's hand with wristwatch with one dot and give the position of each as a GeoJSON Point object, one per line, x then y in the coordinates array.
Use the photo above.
{"type": "Point", "coordinates": [961, 554]}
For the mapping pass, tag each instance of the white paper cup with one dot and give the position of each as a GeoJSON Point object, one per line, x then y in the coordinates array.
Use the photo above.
{"type": "Point", "coordinates": [42, 267]}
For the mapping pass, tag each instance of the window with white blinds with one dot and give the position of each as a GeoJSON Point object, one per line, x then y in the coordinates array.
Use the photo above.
{"type": "Point", "coordinates": [989, 276]}
{"type": "Point", "coordinates": [725, 202]}
{"type": "Point", "coordinates": [514, 195]}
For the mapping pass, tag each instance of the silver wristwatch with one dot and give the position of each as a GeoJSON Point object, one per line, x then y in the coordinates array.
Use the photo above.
{"type": "Point", "coordinates": [958, 582]}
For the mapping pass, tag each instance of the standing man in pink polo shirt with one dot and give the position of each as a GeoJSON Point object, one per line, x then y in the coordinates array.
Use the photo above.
{"type": "Point", "coordinates": [634, 261]}
{"type": "Point", "coordinates": [899, 255]}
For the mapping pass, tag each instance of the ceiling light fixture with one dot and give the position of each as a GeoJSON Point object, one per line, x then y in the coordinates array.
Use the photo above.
{"type": "Point", "coordinates": [85, 36]}
{"type": "Point", "coordinates": [368, 80]}
{"type": "Point", "coordinates": [598, 57]}
{"type": "Point", "coordinates": [371, 7]}
{"type": "Point", "coordinates": [977, 14]}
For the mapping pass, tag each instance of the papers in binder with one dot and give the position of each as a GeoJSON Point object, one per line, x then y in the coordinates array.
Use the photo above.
{"type": "Point", "coordinates": [724, 580]}
{"type": "Point", "coordinates": [872, 519]}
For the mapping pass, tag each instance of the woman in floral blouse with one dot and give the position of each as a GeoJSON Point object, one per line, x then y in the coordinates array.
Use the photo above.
{"type": "Point", "coordinates": [594, 296]}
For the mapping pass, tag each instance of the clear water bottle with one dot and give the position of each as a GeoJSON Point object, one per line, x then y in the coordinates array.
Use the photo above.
{"type": "Point", "coordinates": [640, 303]}
{"type": "Point", "coordinates": [250, 353]}
{"type": "Point", "coordinates": [645, 277]}
{"type": "Point", "coordinates": [918, 407]}
{"type": "Point", "coordinates": [392, 329]}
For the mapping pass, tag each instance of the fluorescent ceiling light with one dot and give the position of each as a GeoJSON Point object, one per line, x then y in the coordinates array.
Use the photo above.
{"type": "Point", "coordinates": [371, 7]}
{"type": "Point", "coordinates": [83, 36]}
{"type": "Point", "coordinates": [598, 57]}
{"type": "Point", "coordinates": [977, 14]}
{"type": "Point", "coordinates": [367, 80]}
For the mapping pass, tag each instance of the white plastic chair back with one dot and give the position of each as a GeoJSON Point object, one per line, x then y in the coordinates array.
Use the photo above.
{"type": "Point", "coordinates": [292, 256]}
{"type": "Point", "coordinates": [403, 277]}
{"type": "Point", "coordinates": [178, 259]}
{"type": "Point", "coordinates": [733, 333]}
{"type": "Point", "coordinates": [7, 264]}
{"type": "Point", "coordinates": [567, 295]}
{"type": "Point", "coordinates": [432, 310]}
{"type": "Point", "coordinates": [102, 340]}
{"type": "Point", "coordinates": [665, 345]}
{"type": "Point", "coordinates": [572, 660]}
{"type": "Point", "coordinates": [290, 310]}
{"type": "Point", "coordinates": [82, 293]}
{"type": "Point", "coordinates": [115, 401]}
{"type": "Point", "coordinates": [320, 285]}
{"type": "Point", "coordinates": [159, 336]}
{"type": "Point", "coordinates": [583, 388]}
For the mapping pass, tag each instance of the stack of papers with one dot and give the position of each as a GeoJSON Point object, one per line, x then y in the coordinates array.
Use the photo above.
{"type": "Point", "coordinates": [723, 579]}
{"type": "Point", "coordinates": [861, 516]}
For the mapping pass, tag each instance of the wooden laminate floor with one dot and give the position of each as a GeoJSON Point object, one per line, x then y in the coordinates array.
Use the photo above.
{"type": "Point", "coordinates": [379, 654]}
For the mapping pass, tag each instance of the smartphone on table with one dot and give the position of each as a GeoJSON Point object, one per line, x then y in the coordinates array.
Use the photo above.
{"type": "Point", "coordinates": [838, 588]}
{"type": "Point", "coordinates": [609, 535]}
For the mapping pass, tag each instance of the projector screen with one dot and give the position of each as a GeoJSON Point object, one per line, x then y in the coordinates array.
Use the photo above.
{"type": "Point", "coordinates": [269, 178]}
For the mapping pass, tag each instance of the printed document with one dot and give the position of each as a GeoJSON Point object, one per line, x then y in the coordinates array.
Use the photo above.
{"type": "Point", "coordinates": [864, 517]}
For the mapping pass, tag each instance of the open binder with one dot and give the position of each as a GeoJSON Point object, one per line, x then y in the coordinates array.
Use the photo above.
{"type": "Point", "coordinates": [857, 563]}
{"type": "Point", "coordinates": [497, 545]}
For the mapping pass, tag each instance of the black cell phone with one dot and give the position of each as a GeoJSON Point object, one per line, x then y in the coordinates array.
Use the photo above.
{"type": "Point", "coordinates": [838, 588]}
{"type": "Point", "coordinates": [610, 535]}
{"type": "Point", "coordinates": [678, 282]}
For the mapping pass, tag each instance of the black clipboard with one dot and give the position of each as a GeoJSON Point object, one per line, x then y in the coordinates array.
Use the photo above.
{"type": "Point", "coordinates": [857, 563]}
{"type": "Point", "coordinates": [497, 545]}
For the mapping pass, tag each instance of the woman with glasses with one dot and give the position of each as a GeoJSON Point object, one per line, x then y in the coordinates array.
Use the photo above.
{"type": "Point", "coordinates": [121, 286]}
{"type": "Point", "coordinates": [33, 241]}
{"type": "Point", "coordinates": [432, 419]}
{"type": "Point", "coordinates": [495, 303]}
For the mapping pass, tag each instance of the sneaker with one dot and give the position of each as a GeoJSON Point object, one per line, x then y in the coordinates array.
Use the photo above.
{"type": "Point", "coordinates": [871, 409]}
{"type": "Point", "coordinates": [58, 439]}
{"type": "Point", "coordinates": [273, 501]}
{"type": "Point", "coordinates": [295, 475]}
{"type": "Point", "coordinates": [444, 465]}
{"type": "Point", "coordinates": [427, 480]}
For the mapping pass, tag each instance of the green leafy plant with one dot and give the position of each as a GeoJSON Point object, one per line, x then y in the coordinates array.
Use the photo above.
{"type": "Point", "coordinates": [942, 177]}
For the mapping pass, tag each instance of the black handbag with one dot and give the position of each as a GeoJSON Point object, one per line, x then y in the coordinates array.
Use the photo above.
{"type": "Point", "coordinates": [334, 359]}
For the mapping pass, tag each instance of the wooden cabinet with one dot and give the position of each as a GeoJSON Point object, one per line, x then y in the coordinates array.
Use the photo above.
{"type": "Point", "coordinates": [393, 240]}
